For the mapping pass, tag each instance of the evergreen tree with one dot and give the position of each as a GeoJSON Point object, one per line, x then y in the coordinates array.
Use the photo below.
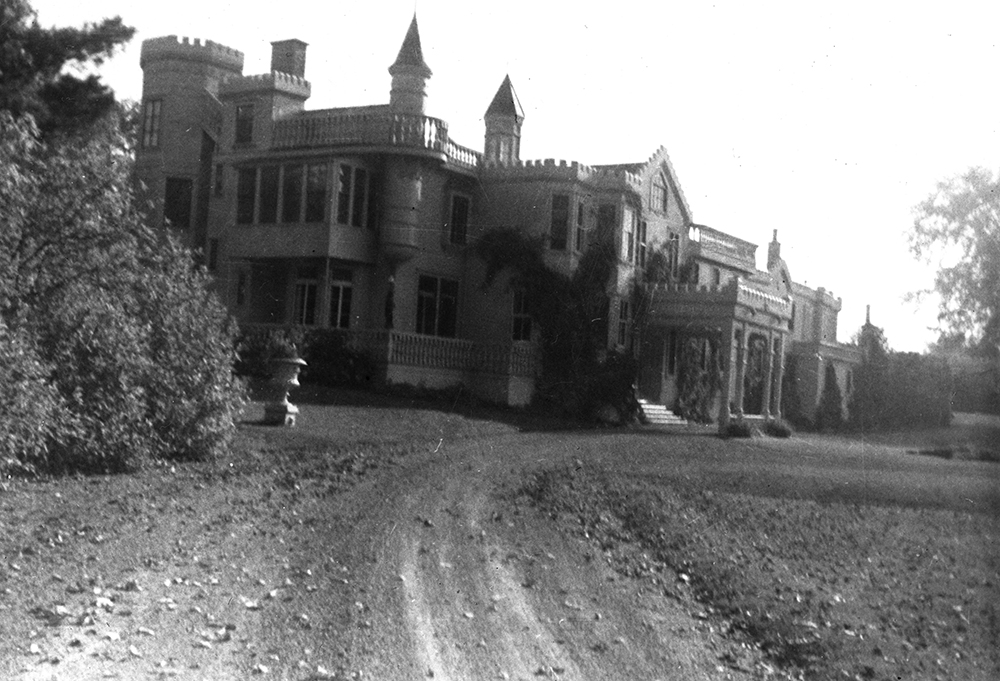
{"type": "Point", "coordinates": [829, 413]}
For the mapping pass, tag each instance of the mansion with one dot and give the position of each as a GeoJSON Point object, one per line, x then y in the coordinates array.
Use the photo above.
{"type": "Point", "coordinates": [363, 219]}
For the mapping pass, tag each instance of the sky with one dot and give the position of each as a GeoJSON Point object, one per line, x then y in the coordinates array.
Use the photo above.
{"type": "Point", "coordinates": [826, 121]}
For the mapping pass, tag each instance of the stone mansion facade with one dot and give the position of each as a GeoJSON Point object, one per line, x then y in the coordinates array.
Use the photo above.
{"type": "Point", "coordinates": [362, 219]}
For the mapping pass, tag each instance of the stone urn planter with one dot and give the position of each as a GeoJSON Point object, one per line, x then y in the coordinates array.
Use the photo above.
{"type": "Point", "coordinates": [278, 411]}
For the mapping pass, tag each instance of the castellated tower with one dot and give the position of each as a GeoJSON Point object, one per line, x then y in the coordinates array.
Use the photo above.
{"type": "Point", "coordinates": [409, 75]}
{"type": "Point", "coordinates": [181, 120]}
{"type": "Point", "coordinates": [503, 126]}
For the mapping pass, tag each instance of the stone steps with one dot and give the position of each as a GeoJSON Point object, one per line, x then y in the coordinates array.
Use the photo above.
{"type": "Point", "coordinates": [660, 415]}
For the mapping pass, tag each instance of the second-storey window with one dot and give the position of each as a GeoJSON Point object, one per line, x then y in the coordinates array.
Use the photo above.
{"type": "Point", "coordinates": [642, 243]}
{"type": "Point", "coordinates": [559, 228]}
{"type": "Point", "coordinates": [437, 306]}
{"type": "Point", "coordinates": [177, 202]}
{"type": "Point", "coordinates": [458, 227]}
{"type": "Point", "coordinates": [352, 196]}
{"type": "Point", "coordinates": [628, 235]}
{"type": "Point", "coordinates": [291, 194]}
{"type": "Point", "coordinates": [316, 193]}
{"type": "Point", "coordinates": [268, 195]}
{"type": "Point", "coordinates": [581, 232]}
{"type": "Point", "coordinates": [151, 123]}
{"type": "Point", "coordinates": [244, 124]}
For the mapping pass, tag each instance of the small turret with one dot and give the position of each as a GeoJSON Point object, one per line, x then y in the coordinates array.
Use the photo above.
{"type": "Point", "coordinates": [289, 56]}
{"type": "Point", "coordinates": [773, 252]}
{"type": "Point", "coordinates": [503, 125]}
{"type": "Point", "coordinates": [409, 75]}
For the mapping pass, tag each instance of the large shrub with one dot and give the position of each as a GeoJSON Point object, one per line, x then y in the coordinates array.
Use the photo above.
{"type": "Point", "coordinates": [125, 339]}
{"type": "Point", "coordinates": [830, 412]}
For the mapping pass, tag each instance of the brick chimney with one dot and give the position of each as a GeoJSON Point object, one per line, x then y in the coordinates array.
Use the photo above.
{"type": "Point", "coordinates": [289, 56]}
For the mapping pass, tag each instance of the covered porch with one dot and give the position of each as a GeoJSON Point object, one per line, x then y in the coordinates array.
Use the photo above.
{"type": "Point", "coordinates": [731, 338]}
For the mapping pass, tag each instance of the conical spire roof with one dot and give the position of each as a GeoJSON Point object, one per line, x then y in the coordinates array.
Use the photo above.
{"type": "Point", "coordinates": [410, 53]}
{"type": "Point", "coordinates": [505, 101]}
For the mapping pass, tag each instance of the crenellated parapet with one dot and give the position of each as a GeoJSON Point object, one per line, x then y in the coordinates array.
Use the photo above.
{"type": "Point", "coordinates": [275, 81]}
{"type": "Point", "coordinates": [191, 49]}
{"type": "Point", "coordinates": [571, 171]}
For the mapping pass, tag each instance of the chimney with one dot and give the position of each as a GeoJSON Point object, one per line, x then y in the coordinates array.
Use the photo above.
{"type": "Point", "coordinates": [289, 56]}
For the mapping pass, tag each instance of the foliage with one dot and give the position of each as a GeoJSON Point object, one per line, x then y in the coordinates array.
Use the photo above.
{"type": "Point", "coordinates": [830, 412]}
{"type": "Point", "coordinates": [698, 376]}
{"type": "Point", "coordinates": [739, 427]}
{"type": "Point", "coordinates": [578, 377]}
{"type": "Point", "coordinates": [958, 229]}
{"type": "Point", "coordinates": [778, 428]}
{"type": "Point", "coordinates": [118, 321]}
{"type": "Point", "coordinates": [898, 390]}
{"type": "Point", "coordinates": [256, 348]}
{"type": "Point", "coordinates": [38, 68]}
{"type": "Point", "coordinates": [791, 400]}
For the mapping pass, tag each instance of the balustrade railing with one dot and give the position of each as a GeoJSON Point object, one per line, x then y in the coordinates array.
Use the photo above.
{"type": "Point", "coordinates": [379, 128]}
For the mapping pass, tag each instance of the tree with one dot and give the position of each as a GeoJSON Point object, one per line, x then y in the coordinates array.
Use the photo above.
{"type": "Point", "coordinates": [115, 349]}
{"type": "Point", "coordinates": [829, 413]}
{"type": "Point", "coordinates": [39, 67]}
{"type": "Point", "coordinates": [957, 228]}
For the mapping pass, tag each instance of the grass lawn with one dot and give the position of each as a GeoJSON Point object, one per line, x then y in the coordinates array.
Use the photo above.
{"type": "Point", "coordinates": [839, 557]}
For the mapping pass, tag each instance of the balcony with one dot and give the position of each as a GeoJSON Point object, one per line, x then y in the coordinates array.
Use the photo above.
{"type": "Point", "coordinates": [740, 299]}
{"type": "Point", "coordinates": [377, 128]}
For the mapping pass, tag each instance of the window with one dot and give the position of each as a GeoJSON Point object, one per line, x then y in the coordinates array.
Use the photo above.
{"type": "Point", "coordinates": [673, 253]}
{"type": "Point", "coordinates": [658, 195]}
{"type": "Point", "coordinates": [606, 214]}
{"type": "Point", "coordinates": [716, 276]}
{"type": "Point", "coordinates": [459, 226]}
{"type": "Point", "coordinates": [437, 306]}
{"type": "Point", "coordinates": [581, 232]}
{"type": "Point", "coordinates": [268, 211]}
{"type": "Point", "coordinates": [560, 222]}
{"type": "Point", "coordinates": [623, 320]}
{"type": "Point", "coordinates": [244, 124]}
{"type": "Point", "coordinates": [315, 193]}
{"type": "Point", "coordinates": [151, 123]}
{"type": "Point", "coordinates": [352, 196]}
{"type": "Point", "coordinates": [628, 236]}
{"type": "Point", "coordinates": [219, 179]}
{"type": "Point", "coordinates": [246, 195]}
{"type": "Point", "coordinates": [213, 255]}
{"type": "Point", "coordinates": [340, 298]}
{"type": "Point", "coordinates": [642, 244]}
{"type": "Point", "coordinates": [521, 318]}
{"type": "Point", "coordinates": [291, 194]}
{"type": "Point", "coordinates": [177, 202]}
{"type": "Point", "coordinates": [305, 302]}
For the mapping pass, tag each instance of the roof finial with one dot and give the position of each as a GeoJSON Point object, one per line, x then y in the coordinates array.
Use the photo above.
{"type": "Point", "coordinates": [868, 315]}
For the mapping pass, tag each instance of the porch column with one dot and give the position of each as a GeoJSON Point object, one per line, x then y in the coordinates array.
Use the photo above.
{"type": "Point", "coordinates": [741, 368]}
{"type": "Point", "coordinates": [765, 408]}
{"type": "Point", "coordinates": [779, 359]}
{"type": "Point", "coordinates": [727, 348]}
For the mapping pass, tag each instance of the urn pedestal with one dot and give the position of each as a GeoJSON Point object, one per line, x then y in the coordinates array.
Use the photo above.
{"type": "Point", "coordinates": [278, 411]}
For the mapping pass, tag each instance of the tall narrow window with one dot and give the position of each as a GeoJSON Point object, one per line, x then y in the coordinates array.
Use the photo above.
{"type": "Point", "coordinates": [177, 202]}
{"type": "Point", "coordinates": [581, 232]}
{"type": "Point", "coordinates": [628, 235]}
{"type": "Point", "coordinates": [151, 123]}
{"type": "Point", "coordinates": [305, 302]}
{"type": "Point", "coordinates": [291, 194]}
{"type": "Point", "coordinates": [344, 194]}
{"type": "Point", "coordinates": [673, 254]}
{"type": "Point", "coordinates": [341, 288]}
{"type": "Point", "coordinates": [316, 193]}
{"type": "Point", "coordinates": [606, 218]}
{"type": "Point", "coordinates": [521, 318]}
{"type": "Point", "coordinates": [437, 306]}
{"type": "Point", "coordinates": [642, 243]}
{"type": "Point", "coordinates": [246, 195]}
{"type": "Point", "coordinates": [558, 232]}
{"type": "Point", "coordinates": [360, 198]}
{"type": "Point", "coordinates": [623, 322]}
{"type": "Point", "coordinates": [244, 124]}
{"type": "Point", "coordinates": [658, 196]}
{"type": "Point", "coordinates": [268, 212]}
{"type": "Point", "coordinates": [459, 226]}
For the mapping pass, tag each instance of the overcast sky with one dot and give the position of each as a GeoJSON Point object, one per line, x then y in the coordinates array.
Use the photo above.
{"type": "Point", "coordinates": [826, 123]}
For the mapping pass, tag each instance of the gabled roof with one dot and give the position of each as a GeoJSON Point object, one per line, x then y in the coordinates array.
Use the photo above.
{"type": "Point", "coordinates": [410, 53]}
{"type": "Point", "coordinates": [659, 159]}
{"type": "Point", "coordinates": [505, 101]}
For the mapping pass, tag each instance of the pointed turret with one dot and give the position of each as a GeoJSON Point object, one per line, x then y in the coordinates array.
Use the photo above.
{"type": "Point", "coordinates": [503, 125]}
{"type": "Point", "coordinates": [409, 75]}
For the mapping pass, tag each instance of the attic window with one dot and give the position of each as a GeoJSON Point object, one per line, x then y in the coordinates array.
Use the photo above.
{"type": "Point", "coordinates": [658, 196]}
